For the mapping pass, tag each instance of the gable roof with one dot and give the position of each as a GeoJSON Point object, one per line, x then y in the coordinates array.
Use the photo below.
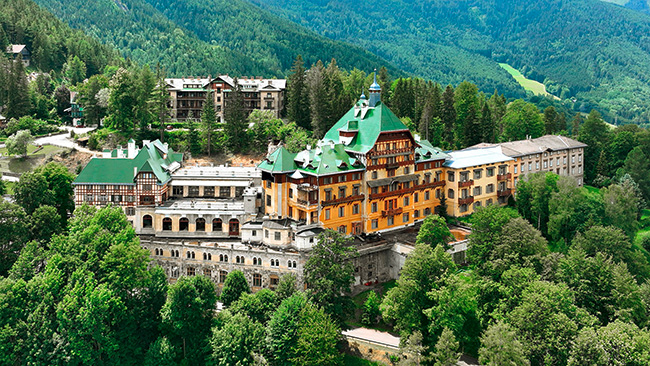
{"type": "Point", "coordinates": [371, 122]}
{"type": "Point", "coordinates": [281, 160]}
{"type": "Point", "coordinates": [154, 157]}
{"type": "Point", "coordinates": [425, 151]}
{"type": "Point", "coordinates": [17, 48]}
{"type": "Point", "coordinates": [327, 159]}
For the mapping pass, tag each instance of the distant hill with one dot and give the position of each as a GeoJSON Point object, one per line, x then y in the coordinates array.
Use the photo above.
{"type": "Point", "coordinates": [595, 52]}
{"type": "Point", "coordinates": [640, 5]}
{"type": "Point", "coordinates": [190, 37]}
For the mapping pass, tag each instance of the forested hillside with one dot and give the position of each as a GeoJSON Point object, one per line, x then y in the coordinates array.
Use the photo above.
{"type": "Point", "coordinates": [49, 40]}
{"type": "Point", "coordinates": [206, 38]}
{"type": "Point", "coordinates": [595, 52]}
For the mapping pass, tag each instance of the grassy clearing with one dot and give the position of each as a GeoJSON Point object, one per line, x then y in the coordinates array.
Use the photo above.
{"type": "Point", "coordinates": [358, 300]}
{"type": "Point", "coordinates": [34, 158]}
{"type": "Point", "coordinates": [349, 360]}
{"type": "Point", "coordinates": [644, 225]}
{"type": "Point", "coordinates": [592, 189]}
{"type": "Point", "coordinates": [534, 86]}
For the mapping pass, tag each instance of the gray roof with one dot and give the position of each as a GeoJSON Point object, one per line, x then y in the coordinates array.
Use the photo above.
{"type": "Point", "coordinates": [475, 156]}
{"type": "Point", "coordinates": [534, 146]}
{"type": "Point", "coordinates": [253, 84]}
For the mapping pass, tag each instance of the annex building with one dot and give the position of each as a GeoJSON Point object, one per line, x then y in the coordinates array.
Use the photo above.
{"type": "Point", "coordinates": [187, 95]}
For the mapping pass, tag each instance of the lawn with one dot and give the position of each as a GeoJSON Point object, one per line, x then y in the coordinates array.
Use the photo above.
{"type": "Point", "coordinates": [22, 165]}
{"type": "Point", "coordinates": [644, 225]}
{"type": "Point", "coordinates": [349, 360]}
{"type": "Point", "coordinates": [591, 189]}
{"type": "Point", "coordinates": [534, 86]}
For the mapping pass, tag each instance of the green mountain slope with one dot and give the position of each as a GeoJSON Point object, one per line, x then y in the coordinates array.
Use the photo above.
{"type": "Point", "coordinates": [141, 33]}
{"type": "Point", "coordinates": [211, 37]}
{"type": "Point", "coordinates": [49, 40]}
{"type": "Point", "coordinates": [595, 52]}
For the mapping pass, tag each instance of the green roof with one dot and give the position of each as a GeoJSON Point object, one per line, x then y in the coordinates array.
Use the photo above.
{"type": "Point", "coordinates": [371, 123]}
{"type": "Point", "coordinates": [120, 170]}
{"type": "Point", "coordinates": [426, 151]}
{"type": "Point", "coordinates": [281, 160]}
{"type": "Point", "coordinates": [326, 159]}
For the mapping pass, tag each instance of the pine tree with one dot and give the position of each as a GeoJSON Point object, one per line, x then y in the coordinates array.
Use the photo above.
{"type": "Point", "coordinates": [318, 99]}
{"type": "Point", "coordinates": [160, 101]}
{"type": "Point", "coordinates": [338, 102]}
{"type": "Point", "coordinates": [575, 124]}
{"type": "Point", "coordinates": [298, 95]}
{"type": "Point", "coordinates": [75, 69]}
{"type": "Point", "coordinates": [550, 120]}
{"type": "Point", "coordinates": [498, 108]}
{"type": "Point", "coordinates": [235, 118]}
{"type": "Point", "coordinates": [208, 121]}
{"type": "Point", "coordinates": [472, 129]}
{"type": "Point", "coordinates": [448, 116]}
{"type": "Point", "coordinates": [18, 103]}
{"type": "Point", "coordinates": [425, 121]}
{"type": "Point", "coordinates": [560, 123]}
{"type": "Point", "coordinates": [193, 137]}
{"type": "Point", "coordinates": [487, 125]}
{"type": "Point", "coordinates": [466, 104]}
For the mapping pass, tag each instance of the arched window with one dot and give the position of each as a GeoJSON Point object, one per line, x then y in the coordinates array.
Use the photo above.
{"type": "Point", "coordinates": [147, 221]}
{"type": "Point", "coordinates": [167, 224]}
{"type": "Point", "coordinates": [200, 224]}
{"type": "Point", "coordinates": [192, 255]}
{"type": "Point", "coordinates": [220, 257]}
{"type": "Point", "coordinates": [189, 255]}
{"type": "Point", "coordinates": [217, 225]}
{"type": "Point", "coordinates": [209, 256]}
{"type": "Point", "coordinates": [254, 261]}
{"type": "Point", "coordinates": [272, 262]}
{"type": "Point", "coordinates": [289, 264]}
{"type": "Point", "coordinates": [294, 264]}
{"type": "Point", "coordinates": [183, 224]}
{"type": "Point", "coordinates": [233, 227]}
{"type": "Point", "coordinates": [156, 251]}
{"type": "Point", "coordinates": [205, 256]}
{"type": "Point", "coordinates": [225, 258]}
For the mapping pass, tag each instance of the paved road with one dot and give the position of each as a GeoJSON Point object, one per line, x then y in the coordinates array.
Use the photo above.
{"type": "Point", "coordinates": [64, 140]}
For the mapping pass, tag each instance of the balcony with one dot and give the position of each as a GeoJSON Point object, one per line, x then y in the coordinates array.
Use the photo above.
{"type": "Point", "coordinates": [402, 151]}
{"type": "Point", "coordinates": [467, 183]}
{"type": "Point", "coordinates": [338, 201]}
{"type": "Point", "coordinates": [466, 201]}
{"type": "Point", "coordinates": [393, 212]}
{"type": "Point", "coordinates": [404, 191]}
{"type": "Point", "coordinates": [306, 203]}
{"type": "Point", "coordinates": [506, 176]}
{"type": "Point", "coordinates": [391, 166]}
{"type": "Point", "coordinates": [504, 193]}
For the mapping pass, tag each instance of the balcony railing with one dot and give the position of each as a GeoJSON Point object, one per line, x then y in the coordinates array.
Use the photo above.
{"type": "Point", "coordinates": [466, 200]}
{"type": "Point", "coordinates": [391, 152]}
{"type": "Point", "coordinates": [391, 166]}
{"type": "Point", "coordinates": [338, 201]}
{"type": "Point", "coordinates": [403, 191]}
{"type": "Point", "coordinates": [307, 202]}
{"type": "Point", "coordinates": [504, 193]}
{"type": "Point", "coordinates": [506, 176]}
{"type": "Point", "coordinates": [393, 212]}
{"type": "Point", "coordinates": [467, 183]}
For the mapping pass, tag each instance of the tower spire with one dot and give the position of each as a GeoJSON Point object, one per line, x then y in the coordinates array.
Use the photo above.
{"type": "Point", "coordinates": [374, 92]}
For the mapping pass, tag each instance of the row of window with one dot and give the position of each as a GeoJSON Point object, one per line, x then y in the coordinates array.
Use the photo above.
{"type": "Point", "coordinates": [183, 224]}
{"type": "Point", "coordinates": [208, 191]}
{"type": "Point", "coordinates": [257, 278]}
{"type": "Point", "coordinates": [257, 261]}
